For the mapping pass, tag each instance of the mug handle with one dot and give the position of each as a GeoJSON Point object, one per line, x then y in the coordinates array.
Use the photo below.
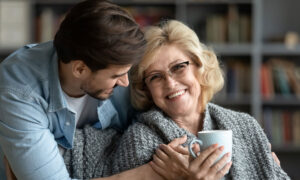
{"type": "Point", "coordinates": [191, 144]}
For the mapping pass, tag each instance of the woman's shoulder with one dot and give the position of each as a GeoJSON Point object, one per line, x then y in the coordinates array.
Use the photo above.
{"type": "Point", "coordinates": [231, 117]}
{"type": "Point", "coordinates": [226, 111]}
{"type": "Point", "coordinates": [158, 123]}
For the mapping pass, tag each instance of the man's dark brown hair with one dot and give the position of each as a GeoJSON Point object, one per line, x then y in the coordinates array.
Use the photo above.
{"type": "Point", "coordinates": [99, 33]}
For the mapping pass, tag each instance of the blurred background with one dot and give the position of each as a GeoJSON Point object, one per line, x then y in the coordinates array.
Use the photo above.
{"type": "Point", "coordinates": [257, 43]}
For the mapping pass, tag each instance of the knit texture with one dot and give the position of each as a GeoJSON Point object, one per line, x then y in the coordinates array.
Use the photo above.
{"type": "Point", "coordinates": [100, 153]}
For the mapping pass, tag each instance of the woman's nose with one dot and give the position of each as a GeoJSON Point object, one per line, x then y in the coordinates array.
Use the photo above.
{"type": "Point", "coordinates": [170, 81]}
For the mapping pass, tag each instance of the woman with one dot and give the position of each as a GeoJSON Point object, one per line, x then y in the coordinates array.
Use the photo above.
{"type": "Point", "coordinates": [174, 83]}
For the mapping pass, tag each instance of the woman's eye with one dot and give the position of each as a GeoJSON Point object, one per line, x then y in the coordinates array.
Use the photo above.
{"type": "Point", "coordinates": [155, 77]}
{"type": "Point", "coordinates": [178, 67]}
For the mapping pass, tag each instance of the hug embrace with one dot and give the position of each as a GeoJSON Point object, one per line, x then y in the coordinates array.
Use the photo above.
{"type": "Point", "coordinates": [173, 84]}
{"type": "Point", "coordinates": [64, 117]}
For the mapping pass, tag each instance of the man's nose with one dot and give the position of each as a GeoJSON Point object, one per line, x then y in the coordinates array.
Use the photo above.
{"type": "Point", "coordinates": [123, 81]}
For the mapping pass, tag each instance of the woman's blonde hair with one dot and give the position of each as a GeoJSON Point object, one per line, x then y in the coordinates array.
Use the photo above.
{"type": "Point", "coordinates": [173, 32]}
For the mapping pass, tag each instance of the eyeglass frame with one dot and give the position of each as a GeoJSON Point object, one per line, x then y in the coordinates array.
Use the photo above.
{"type": "Point", "coordinates": [169, 71]}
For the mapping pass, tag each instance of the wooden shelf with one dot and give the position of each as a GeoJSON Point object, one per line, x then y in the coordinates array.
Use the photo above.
{"type": "Point", "coordinates": [281, 100]}
{"type": "Point", "coordinates": [227, 101]}
{"type": "Point", "coordinates": [280, 49]}
{"type": "Point", "coordinates": [232, 49]}
{"type": "Point", "coordinates": [56, 2]}
{"type": "Point", "coordinates": [286, 148]}
{"type": "Point", "coordinates": [144, 2]}
{"type": "Point", "coordinates": [219, 1]}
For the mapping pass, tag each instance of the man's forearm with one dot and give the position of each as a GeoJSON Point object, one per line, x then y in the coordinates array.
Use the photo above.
{"type": "Point", "coordinates": [144, 172]}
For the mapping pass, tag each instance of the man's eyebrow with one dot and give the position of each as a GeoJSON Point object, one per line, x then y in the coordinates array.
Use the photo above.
{"type": "Point", "coordinates": [118, 75]}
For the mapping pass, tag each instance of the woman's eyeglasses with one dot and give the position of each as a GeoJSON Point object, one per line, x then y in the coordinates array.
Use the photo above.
{"type": "Point", "coordinates": [176, 71]}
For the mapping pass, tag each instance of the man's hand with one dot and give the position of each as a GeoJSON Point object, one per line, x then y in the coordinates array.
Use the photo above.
{"type": "Point", "coordinates": [9, 173]}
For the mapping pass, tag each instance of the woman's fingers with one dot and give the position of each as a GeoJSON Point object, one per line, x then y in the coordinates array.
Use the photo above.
{"type": "Point", "coordinates": [223, 171]}
{"type": "Point", "coordinates": [206, 165]}
{"type": "Point", "coordinates": [212, 157]}
{"type": "Point", "coordinates": [220, 164]}
{"type": "Point", "coordinates": [203, 156]}
{"type": "Point", "coordinates": [196, 148]}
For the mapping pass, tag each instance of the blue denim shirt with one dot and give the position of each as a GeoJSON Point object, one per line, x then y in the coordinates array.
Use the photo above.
{"type": "Point", "coordinates": [34, 115]}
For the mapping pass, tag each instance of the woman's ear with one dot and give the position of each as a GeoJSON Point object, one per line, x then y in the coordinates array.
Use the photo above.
{"type": "Point", "coordinates": [80, 69]}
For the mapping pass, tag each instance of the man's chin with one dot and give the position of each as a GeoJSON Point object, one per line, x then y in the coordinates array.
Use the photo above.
{"type": "Point", "coordinates": [104, 96]}
{"type": "Point", "coordinates": [101, 94]}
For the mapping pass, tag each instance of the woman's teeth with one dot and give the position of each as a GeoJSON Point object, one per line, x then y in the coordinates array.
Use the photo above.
{"type": "Point", "coordinates": [176, 94]}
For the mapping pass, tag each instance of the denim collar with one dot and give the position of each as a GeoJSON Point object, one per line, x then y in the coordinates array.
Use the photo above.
{"type": "Point", "coordinates": [57, 101]}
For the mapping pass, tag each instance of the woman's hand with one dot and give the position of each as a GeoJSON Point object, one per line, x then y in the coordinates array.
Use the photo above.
{"type": "Point", "coordinates": [172, 161]}
{"type": "Point", "coordinates": [204, 166]}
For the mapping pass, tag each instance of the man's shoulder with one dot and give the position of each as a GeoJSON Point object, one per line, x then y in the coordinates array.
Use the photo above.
{"type": "Point", "coordinates": [27, 67]}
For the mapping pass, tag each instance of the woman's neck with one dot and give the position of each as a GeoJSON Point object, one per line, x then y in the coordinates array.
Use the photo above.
{"type": "Point", "coordinates": [192, 123]}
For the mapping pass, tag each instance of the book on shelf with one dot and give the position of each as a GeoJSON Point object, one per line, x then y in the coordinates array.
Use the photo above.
{"type": "Point", "coordinates": [277, 130]}
{"type": "Point", "coordinates": [287, 126]}
{"type": "Point", "coordinates": [296, 128]}
{"type": "Point", "coordinates": [146, 16]}
{"type": "Point", "coordinates": [233, 24]}
{"type": "Point", "coordinates": [237, 78]}
{"type": "Point", "coordinates": [267, 87]}
{"type": "Point", "coordinates": [282, 126]}
{"type": "Point", "coordinates": [279, 76]}
{"type": "Point", "coordinates": [14, 26]}
{"type": "Point", "coordinates": [245, 28]}
{"type": "Point", "coordinates": [230, 27]}
{"type": "Point", "coordinates": [47, 23]}
{"type": "Point", "coordinates": [281, 81]}
{"type": "Point", "coordinates": [222, 93]}
{"type": "Point", "coordinates": [216, 29]}
{"type": "Point", "coordinates": [267, 123]}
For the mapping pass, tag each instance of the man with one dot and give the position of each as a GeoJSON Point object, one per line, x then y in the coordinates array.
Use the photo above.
{"type": "Point", "coordinates": [49, 89]}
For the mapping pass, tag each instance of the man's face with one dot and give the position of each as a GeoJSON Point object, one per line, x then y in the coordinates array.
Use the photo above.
{"type": "Point", "coordinates": [100, 84]}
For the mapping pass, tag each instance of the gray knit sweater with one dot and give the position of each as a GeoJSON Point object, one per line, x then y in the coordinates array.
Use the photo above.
{"type": "Point", "coordinates": [100, 153]}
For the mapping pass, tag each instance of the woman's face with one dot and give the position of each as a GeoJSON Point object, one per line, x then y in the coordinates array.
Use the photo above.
{"type": "Point", "coordinates": [172, 83]}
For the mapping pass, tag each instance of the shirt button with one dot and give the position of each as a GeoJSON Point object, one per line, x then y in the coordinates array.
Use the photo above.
{"type": "Point", "coordinates": [67, 123]}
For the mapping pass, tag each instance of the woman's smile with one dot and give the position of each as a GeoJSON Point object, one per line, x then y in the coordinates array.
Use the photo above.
{"type": "Point", "coordinates": [176, 95]}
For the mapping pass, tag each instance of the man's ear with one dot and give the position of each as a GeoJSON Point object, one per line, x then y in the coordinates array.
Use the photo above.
{"type": "Point", "coordinates": [80, 69]}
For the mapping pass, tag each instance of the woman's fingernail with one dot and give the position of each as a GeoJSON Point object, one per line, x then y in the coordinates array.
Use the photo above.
{"type": "Point", "coordinates": [221, 148]}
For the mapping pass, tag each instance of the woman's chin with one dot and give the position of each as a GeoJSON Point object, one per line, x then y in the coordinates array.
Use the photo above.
{"type": "Point", "coordinates": [175, 112]}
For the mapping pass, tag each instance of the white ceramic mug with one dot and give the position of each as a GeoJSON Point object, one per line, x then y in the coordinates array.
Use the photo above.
{"type": "Point", "coordinates": [208, 138]}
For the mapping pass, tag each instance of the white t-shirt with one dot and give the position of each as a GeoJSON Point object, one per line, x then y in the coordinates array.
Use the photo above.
{"type": "Point", "coordinates": [85, 109]}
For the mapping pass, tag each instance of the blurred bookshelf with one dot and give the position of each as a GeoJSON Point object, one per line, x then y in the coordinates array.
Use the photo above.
{"type": "Point", "coordinates": [256, 41]}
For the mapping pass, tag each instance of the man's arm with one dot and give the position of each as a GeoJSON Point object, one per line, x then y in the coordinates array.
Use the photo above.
{"type": "Point", "coordinates": [144, 172]}
{"type": "Point", "coordinates": [26, 140]}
